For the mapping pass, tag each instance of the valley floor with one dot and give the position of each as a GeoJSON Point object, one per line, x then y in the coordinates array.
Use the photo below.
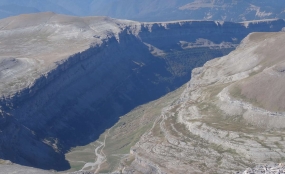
{"type": "Point", "coordinates": [115, 144]}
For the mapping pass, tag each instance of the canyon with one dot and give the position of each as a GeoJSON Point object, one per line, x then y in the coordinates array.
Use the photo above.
{"type": "Point", "coordinates": [65, 80]}
{"type": "Point", "coordinates": [229, 117]}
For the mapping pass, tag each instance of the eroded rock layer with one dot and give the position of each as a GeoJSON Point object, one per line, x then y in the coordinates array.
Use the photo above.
{"type": "Point", "coordinates": [65, 79]}
{"type": "Point", "coordinates": [229, 117]}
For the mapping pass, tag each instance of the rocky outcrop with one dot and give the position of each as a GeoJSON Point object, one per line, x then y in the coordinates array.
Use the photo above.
{"type": "Point", "coordinates": [216, 128]}
{"type": "Point", "coordinates": [266, 168]}
{"type": "Point", "coordinates": [7, 167]}
{"type": "Point", "coordinates": [81, 74]}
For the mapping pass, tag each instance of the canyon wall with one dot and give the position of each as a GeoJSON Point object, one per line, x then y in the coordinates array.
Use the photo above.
{"type": "Point", "coordinates": [74, 102]}
{"type": "Point", "coordinates": [230, 117]}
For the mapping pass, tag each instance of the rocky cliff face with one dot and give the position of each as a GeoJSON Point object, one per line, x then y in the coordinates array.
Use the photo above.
{"type": "Point", "coordinates": [64, 80]}
{"type": "Point", "coordinates": [228, 118]}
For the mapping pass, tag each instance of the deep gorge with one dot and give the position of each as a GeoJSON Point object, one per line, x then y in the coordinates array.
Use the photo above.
{"type": "Point", "coordinates": [86, 94]}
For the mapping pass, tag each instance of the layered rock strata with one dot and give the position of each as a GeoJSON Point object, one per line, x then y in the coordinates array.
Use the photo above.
{"type": "Point", "coordinates": [223, 122]}
{"type": "Point", "coordinates": [65, 79]}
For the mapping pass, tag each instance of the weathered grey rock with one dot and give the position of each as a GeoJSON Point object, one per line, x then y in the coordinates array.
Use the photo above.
{"type": "Point", "coordinates": [65, 79]}
{"type": "Point", "coordinates": [17, 169]}
{"type": "Point", "coordinates": [266, 168]}
{"type": "Point", "coordinates": [215, 127]}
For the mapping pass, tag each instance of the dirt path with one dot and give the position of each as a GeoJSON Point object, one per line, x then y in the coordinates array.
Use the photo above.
{"type": "Point", "coordinates": [101, 157]}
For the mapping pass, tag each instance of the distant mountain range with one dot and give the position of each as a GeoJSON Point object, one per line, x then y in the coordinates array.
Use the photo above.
{"type": "Point", "coordinates": [152, 10]}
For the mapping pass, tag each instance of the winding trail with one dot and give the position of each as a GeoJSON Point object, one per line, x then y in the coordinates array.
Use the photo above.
{"type": "Point", "coordinates": [101, 157]}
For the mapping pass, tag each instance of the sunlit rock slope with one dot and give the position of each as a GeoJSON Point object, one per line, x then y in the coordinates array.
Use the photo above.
{"type": "Point", "coordinates": [65, 79]}
{"type": "Point", "coordinates": [229, 117]}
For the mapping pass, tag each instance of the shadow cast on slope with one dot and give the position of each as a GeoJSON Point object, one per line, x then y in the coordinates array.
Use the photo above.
{"type": "Point", "coordinates": [87, 93]}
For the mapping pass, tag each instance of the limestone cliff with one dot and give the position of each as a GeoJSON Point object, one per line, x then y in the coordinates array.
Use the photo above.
{"type": "Point", "coordinates": [65, 79]}
{"type": "Point", "coordinates": [229, 117]}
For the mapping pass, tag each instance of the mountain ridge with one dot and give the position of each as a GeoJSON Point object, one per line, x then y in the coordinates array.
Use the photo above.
{"type": "Point", "coordinates": [58, 93]}
{"type": "Point", "coordinates": [214, 127]}
{"type": "Point", "coordinates": [159, 10]}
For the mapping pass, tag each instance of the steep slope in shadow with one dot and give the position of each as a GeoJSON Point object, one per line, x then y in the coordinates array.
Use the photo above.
{"type": "Point", "coordinates": [88, 97]}
{"type": "Point", "coordinates": [85, 97]}
{"type": "Point", "coordinates": [76, 100]}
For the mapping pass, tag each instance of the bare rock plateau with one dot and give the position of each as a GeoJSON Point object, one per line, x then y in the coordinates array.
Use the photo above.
{"type": "Point", "coordinates": [64, 80]}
